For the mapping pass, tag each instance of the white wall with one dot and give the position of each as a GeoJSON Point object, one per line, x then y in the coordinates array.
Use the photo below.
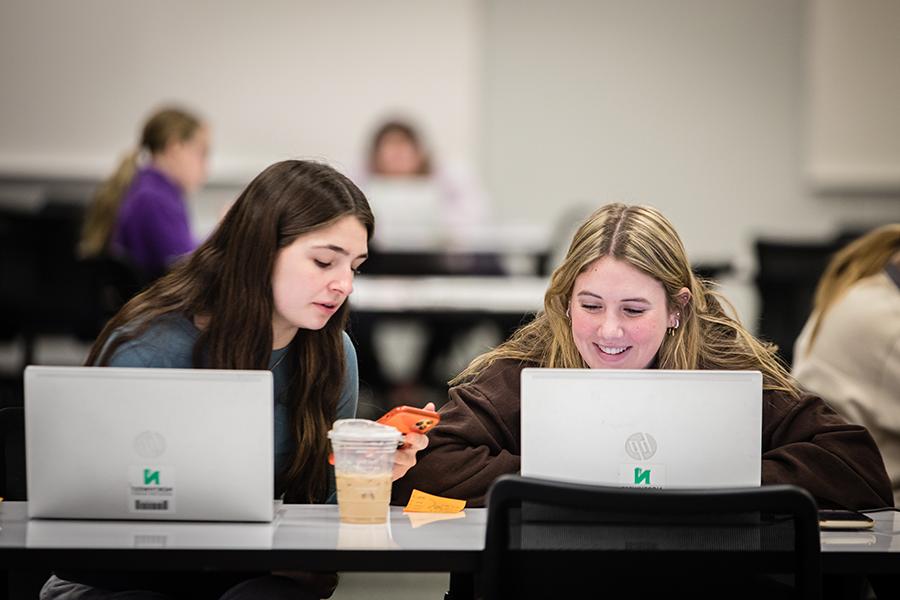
{"type": "Point", "coordinates": [854, 92]}
{"type": "Point", "coordinates": [277, 79]}
{"type": "Point", "coordinates": [700, 107]}
{"type": "Point", "coordinates": [697, 107]}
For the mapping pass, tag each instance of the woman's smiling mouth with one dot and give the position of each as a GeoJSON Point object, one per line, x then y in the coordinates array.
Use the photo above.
{"type": "Point", "coordinates": [611, 351]}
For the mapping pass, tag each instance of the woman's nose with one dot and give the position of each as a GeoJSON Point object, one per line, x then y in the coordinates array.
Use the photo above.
{"type": "Point", "coordinates": [610, 327]}
{"type": "Point", "coordinates": [344, 283]}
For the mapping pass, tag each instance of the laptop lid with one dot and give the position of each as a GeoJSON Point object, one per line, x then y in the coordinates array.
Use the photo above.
{"type": "Point", "coordinates": [643, 428]}
{"type": "Point", "coordinates": [116, 443]}
{"type": "Point", "coordinates": [410, 214]}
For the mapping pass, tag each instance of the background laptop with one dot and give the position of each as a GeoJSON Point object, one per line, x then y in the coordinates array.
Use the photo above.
{"type": "Point", "coordinates": [643, 428]}
{"type": "Point", "coordinates": [115, 443]}
{"type": "Point", "coordinates": [410, 214]}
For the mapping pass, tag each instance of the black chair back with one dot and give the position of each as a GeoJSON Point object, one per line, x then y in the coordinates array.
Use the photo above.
{"type": "Point", "coordinates": [12, 453]}
{"type": "Point", "coordinates": [786, 281]}
{"type": "Point", "coordinates": [547, 538]}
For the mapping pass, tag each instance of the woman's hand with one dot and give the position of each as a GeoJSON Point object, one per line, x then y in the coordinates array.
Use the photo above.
{"type": "Point", "coordinates": [405, 457]}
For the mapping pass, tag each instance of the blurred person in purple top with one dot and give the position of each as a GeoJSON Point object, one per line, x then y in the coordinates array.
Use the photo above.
{"type": "Point", "coordinates": [139, 213]}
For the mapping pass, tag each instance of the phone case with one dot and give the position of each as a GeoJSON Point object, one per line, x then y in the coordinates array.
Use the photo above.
{"type": "Point", "coordinates": [409, 419]}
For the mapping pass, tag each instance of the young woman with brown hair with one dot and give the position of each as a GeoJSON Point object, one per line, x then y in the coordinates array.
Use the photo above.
{"type": "Point", "coordinates": [625, 297]}
{"type": "Point", "coordinates": [267, 290]}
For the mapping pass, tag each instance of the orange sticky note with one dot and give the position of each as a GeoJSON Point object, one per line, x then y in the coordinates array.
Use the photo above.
{"type": "Point", "coordinates": [422, 502]}
{"type": "Point", "coordinates": [417, 519]}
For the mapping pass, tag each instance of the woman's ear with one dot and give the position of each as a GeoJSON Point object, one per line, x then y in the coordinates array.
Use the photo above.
{"type": "Point", "coordinates": [682, 298]}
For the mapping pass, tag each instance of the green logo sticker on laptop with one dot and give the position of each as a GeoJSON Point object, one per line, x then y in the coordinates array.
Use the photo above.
{"type": "Point", "coordinates": [151, 477]}
{"type": "Point", "coordinates": [641, 476]}
{"type": "Point", "coordinates": [149, 492]}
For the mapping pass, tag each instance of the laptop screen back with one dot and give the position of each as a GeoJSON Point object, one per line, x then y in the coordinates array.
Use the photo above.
{"type": "Point", "coordinates": [643, 428]}
{"type": "Point", "coordinates": [115, 443]}
{"type": "Point", "coordinates": [410, 214]}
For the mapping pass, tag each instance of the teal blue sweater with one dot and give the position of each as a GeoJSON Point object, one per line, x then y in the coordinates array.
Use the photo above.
{"type": "Point", "coordinates": [169, 344]}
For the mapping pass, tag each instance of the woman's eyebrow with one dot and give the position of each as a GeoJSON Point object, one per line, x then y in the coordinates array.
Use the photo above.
{"type": "Point", "coordinates": [338, 249]}
{"type": "Point", "coordinates": [599, 297]}
{"type": "Point", "coordinates": [333, 247]}
{"type": "Point", "coordinates": [592, 294]}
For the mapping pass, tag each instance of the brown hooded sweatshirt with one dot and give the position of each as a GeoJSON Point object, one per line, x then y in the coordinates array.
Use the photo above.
{"type": "Point", "coordinates": [804, 443]}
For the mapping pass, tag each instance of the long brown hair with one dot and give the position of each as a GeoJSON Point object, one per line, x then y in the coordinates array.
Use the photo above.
{"type": "Point", "coordinates": [229, 280]}
{"type": "Point", "coordinates": [707, 338]}
{"type": "Point", "coordinates": [861, 258]}
{"type": "Point", "coordinates": [163, 127]}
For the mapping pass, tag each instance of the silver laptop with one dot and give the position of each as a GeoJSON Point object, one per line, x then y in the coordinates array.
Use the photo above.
{"type": "Point", "coordinates": [643, 428]}
{"type": "Point", "coordinates": [115, 443]}
{"type": "Point", "coordinates": [410, 214]}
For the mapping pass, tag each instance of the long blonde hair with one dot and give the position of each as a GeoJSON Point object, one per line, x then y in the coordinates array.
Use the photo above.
{"type": "Point", "coordinates": [164, 126]}
{"type": "Point", "coordinates": [861, 258]}
{"type": "Point", "coordinates": [707, 338]}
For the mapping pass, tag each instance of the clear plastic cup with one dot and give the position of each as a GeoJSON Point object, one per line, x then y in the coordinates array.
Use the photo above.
{"type": "Point", "coordinates": [363, 461]}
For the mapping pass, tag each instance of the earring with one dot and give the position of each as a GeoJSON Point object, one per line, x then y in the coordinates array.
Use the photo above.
{"type": "Point", "coordinates": [567, 314]}
{"type": "Point", "coordinates": [671, 330]}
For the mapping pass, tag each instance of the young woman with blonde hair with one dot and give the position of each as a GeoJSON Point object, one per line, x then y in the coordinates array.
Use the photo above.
{"type": "Point", "coordinates": [139, 213]}
{"type": "Point", "coordinates": [849, 350]}
{"type": "Point", "coordinates": [625, 297]}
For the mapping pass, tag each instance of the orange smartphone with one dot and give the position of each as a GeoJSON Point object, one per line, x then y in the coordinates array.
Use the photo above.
{"type": "Point", "coordinates": [409, 419]}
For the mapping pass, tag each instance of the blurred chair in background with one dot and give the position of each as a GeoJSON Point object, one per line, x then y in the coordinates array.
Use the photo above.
{"type": "Point", "coordinates": [786, 279]}
{"type": "Point", "coordinates": [47, 289]}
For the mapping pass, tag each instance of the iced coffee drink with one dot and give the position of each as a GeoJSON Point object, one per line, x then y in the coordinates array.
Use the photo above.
{"type": "Point", "coordinates": [363, 498]}
{"type": "Point", "coordinates": [363, 460]}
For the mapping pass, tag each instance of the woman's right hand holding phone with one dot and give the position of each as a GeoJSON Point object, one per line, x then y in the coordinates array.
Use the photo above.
{"type": "Point", "coordinates": [414, 441]}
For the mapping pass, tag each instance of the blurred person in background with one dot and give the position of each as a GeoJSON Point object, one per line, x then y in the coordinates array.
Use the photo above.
{"type": "Point", "coordinates": [139, 213]}
{"type": "Point", "coordinates": [849, 350]}
{"type": "Point", "coordinates": [398, 154]}
{"type": "Point", "coordinates": [432, 222]}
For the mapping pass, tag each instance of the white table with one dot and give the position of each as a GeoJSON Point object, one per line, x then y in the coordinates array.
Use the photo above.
{"type": "Point", "coordinates": [311, 537]}
{"type": "Point", "coordinates": [302, 536]}
{"type": "Point", "coordinates": [493, 295]}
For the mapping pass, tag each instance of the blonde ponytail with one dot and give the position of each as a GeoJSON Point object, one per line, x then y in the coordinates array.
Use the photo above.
{"type": "Point", "coordinates": [103, 211]}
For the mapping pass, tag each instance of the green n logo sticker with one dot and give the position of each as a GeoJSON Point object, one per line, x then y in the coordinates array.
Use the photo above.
{"type": "Point", "coordinates": [153, 477]}
{"type": "Point", "coordinates": [641, 476]}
